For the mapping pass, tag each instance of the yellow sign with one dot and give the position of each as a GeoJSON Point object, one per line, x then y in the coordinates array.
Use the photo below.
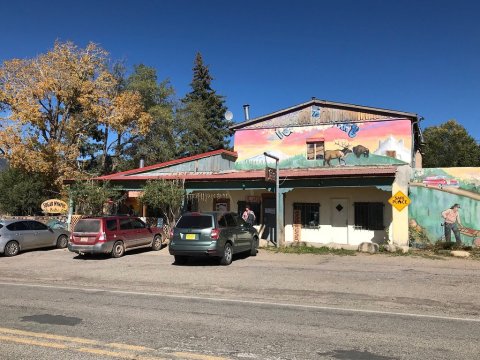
{"type": "Point", "coordinates": [54, 206]}
{"type": "Point", "coordinates": [399, 201]}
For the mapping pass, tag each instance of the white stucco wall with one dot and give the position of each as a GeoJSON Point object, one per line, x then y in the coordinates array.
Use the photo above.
{"type": "Point", "coordinates": [327, 198]}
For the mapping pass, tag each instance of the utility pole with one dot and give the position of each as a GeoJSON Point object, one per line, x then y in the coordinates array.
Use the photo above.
{"type": "Point", "coordinates": [277, 198]}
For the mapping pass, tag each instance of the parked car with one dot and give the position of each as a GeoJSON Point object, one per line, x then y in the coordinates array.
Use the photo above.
{"type": "Point", "coordinates": [20, 235]}
{"type": "Point", "coordinates": [213, 234]}
{"type": "Point", "coordinates": [113, 235]}
{"type": "Point", "coordinates": [440, 181]}
{"type": "Point", "coordinates": [57, 224]}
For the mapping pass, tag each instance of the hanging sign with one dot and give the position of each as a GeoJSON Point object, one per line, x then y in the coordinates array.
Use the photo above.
{"type": "Point", "coordinates": [270, 174]}
{"type": "Point", "coordinates": [54, 206]}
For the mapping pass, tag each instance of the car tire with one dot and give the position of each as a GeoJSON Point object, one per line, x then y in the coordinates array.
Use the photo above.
{"type": "Point", "coordinates": [157, 243]}
{"type": "Point", "coordinates": [227, 257]}
{"type": "Point", "coordinates": [118, 249]}
{"type": "Point", "coordinates": [180, 259]}
{"type": "Point", "coordinates": [253, 251]}
{"type": "Point", "coordinates": [62, 242]}
{"type": "Point", "coordinates": [11, 248]}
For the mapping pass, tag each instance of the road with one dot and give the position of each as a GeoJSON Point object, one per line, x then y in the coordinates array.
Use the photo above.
{"type": "Point", "coordinates": [56, 305]}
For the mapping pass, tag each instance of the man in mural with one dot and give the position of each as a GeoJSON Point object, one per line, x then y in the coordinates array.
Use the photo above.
{"type": "Point", "coordinates": [451, 219]}
{"type": "Point", "coordinates": [248, 216]}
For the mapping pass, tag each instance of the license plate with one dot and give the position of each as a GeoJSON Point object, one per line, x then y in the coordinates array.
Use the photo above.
{"type": "Point", "coordinates": [84, 239]}
{"type": "Point", "coordinates": [190, 236]}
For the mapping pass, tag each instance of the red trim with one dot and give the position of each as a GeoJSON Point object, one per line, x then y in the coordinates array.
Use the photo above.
{"type": "Point", "coordinates": [168, 163]}
{"type": "Point", "coordinates": [260, 174]}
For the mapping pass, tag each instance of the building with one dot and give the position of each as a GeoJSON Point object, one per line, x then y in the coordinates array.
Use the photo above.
{"type": "Point", "coordinates": [339, 165]}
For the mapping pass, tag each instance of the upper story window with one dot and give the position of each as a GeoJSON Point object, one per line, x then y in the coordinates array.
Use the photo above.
{"type": "Point", "coordinates": [315, 149]}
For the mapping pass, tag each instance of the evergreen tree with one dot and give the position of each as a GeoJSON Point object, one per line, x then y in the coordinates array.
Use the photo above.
{"type": "Point", "coordinates": [202, 124]}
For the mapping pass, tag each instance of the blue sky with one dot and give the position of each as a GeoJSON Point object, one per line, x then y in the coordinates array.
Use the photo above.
{"type": "Point", "coordinates": [415, 56]}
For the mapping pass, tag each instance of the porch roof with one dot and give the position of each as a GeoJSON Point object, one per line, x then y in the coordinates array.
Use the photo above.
{"type": "Point", "coordinates": [344, 171]}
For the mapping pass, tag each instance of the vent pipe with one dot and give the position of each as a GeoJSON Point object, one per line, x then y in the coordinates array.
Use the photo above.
{"type": "Point", "coordinates": [246, 108]}
{"type": "Point", "coordinates": [142, 163]}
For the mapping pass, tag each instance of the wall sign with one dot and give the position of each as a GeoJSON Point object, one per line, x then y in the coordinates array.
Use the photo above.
{"type": "Point", "coordinates": [54, 206]}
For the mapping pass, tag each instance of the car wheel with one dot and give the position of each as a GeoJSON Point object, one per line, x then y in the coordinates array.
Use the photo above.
{"type": "Point", "coordinates": [226, 259]}
{"type": "Point", "coordinates": [180, 259]}
{"type": "Point", "coordinates": [118, 249]}
{"type": "Point", "coordinates": [157, 242]}
{"type": "Point", "coordinates": [62, 242]}
{"type": "Point", "coordinates": [253, 251]}
{"type": "Point", "coordinates": [12, 248]}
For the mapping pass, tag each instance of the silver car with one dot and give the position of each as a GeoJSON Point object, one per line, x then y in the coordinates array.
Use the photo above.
{"type": "Point", "coordinates": [19, 235]}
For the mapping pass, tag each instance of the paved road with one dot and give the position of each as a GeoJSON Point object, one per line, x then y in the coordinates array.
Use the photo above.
{"type": "Point", "coordinates": [274, 306]}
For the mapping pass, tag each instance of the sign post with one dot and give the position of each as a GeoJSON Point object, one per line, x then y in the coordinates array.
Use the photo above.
{"type": "Point", "coordinates": [268, 177]}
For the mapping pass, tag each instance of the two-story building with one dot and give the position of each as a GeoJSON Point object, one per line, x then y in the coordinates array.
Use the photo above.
{"type": "Point", "coordinates": [338, 166]}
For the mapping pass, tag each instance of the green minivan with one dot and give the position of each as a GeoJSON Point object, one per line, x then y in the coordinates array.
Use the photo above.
{"type": "Point", "coordinates": [213, 234]}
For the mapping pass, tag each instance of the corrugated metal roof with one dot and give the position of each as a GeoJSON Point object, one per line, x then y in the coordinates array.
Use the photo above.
{"type": "Point", "coordinates": [260, 174]}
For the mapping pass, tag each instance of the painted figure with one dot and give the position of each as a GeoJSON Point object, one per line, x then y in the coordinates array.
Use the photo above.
{"type": "Point", "coordinates": [248, 216]}
{"type": "Point", "coordinates": [451, 219]}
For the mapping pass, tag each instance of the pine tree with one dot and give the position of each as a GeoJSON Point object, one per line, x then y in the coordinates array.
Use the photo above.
{"type": "Point", "coordinates": [204, 127]}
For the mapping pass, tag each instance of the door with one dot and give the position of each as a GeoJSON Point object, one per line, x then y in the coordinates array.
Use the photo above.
{"type": "Point", "coordinates": [339, 210]}
{"type": "Point", "coordinates": [243, 231]}
{"type": "Point", "coordinates": [21, 233]}
{"type": "Point", "coordinates": [43, 236]}
{"type": "Point", "coordinates": [142, 235]}
{"type": "Point", "coordinates": [126, 233]}
{"type": "Point", "coordinates": [269, 219]}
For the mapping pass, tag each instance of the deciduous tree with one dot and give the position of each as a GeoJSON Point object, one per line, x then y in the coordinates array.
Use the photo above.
{"type": "Point", "coordinates": [449, 145]}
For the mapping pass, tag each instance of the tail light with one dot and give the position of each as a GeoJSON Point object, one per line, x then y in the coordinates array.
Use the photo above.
{"type": "Point", "coordinates": [102, 237]}
{"type": "Point", "coordinates": [171, 234]}
{"type": "Point", "coordinates": [215, 234]}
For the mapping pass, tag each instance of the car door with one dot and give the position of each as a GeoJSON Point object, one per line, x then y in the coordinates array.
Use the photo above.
{"type": "Point", "coordinates": [20, 232]}
{"type": "Point", "coordinates": [42, 233]}
{"type": "Point", "coordinates": [141, 233]}
{"type": "Point", "coordinates": [244, 233]}
{"type": "Point", "coordinates": [233, 232]}
{"type": "Point", "coordinates": [126, 232]}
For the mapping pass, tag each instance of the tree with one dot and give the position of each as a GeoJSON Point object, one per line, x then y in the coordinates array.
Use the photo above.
{"type": "Point", "coordinates": [449, 145]}
{"type": "Point", "coordinates": [158, 144]}
{"type": "Point", "coordinates": [165, 195]}
{"type": "Point", "coordinates": [60, 102]}
{"type": "Point", "coordinates": [203, 126]}
{"type": "Point", "coordinates": [22, 192]}
{"type": "Point", "coordinates": [94, 198]}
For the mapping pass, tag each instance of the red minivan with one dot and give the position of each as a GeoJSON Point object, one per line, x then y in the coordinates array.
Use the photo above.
{"type": "Point", "coordinates": [113, 235]}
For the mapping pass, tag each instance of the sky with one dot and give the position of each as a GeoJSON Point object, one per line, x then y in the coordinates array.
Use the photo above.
{"type": "Point", "coordinates": [414, 56]}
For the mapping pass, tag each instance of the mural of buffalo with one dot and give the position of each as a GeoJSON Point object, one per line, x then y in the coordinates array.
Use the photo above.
{"type": "Point", "coordinates": [360, 150]}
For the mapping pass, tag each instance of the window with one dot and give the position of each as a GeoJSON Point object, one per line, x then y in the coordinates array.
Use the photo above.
{"type": "Point", "coordinates": [195, 222]}
{"type": "Point", "coordinates": [88, 226]}
{"type": "Point", "coordinates": [315, 150]}
{"type": "Point", "coordinates": [138, 224]}
{"type": "Point", "coordinates": [309, 214]}
{"type": "Point", "coordinates": [369, 216]}
{"type": "Point", "coordinates": [126, 224]}
{"type": "Point", "coordinates": [18, 226]}
{"type": "Point", "coordinates": [35, 225]}
{"type": "Point", "coordinates": [112, 224]}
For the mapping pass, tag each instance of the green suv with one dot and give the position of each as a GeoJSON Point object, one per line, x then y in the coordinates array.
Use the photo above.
{"type": "Point", "coordinates": [213, 234]}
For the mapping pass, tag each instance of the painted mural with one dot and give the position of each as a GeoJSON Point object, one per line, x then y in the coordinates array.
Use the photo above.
{"type": "Point", "coordinates": [332, 144]}
{"type": "Point", "coordinates": [445, 198]}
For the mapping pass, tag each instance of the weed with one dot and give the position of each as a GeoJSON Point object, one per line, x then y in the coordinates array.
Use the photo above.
{"type": "Point", "coordinates": [302, 249]}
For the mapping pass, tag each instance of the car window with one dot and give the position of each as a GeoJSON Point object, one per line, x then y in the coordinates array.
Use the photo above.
{"type": "Point", "coordinates": [195, 222]}
{"type": "Point", "coordinates": [138, 224]}
{"type": "Point", "coordinates": [36, 225]}
{"type": "Point", "coordinates": [88, 226]}
{"type": "Point", "coordinates": [126, 224]}
{"type": "Point", "coordinates": [230, 220]}
{"type": "Point", "coordinates": [18, 226]}
{"type": "Point", "coordinates": [112, 224]}
{"type": "Point", "coordinates": [239, 220]}
{"type": "Point", "coordinates": [222, 222]}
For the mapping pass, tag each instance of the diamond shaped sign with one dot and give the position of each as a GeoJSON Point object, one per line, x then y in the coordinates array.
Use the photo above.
{"type": "Point", "coordinates": [399, 201]}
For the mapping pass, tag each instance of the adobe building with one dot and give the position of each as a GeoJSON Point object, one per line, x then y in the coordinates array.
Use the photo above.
{"type": "Point", "coordinates": [339, 164]}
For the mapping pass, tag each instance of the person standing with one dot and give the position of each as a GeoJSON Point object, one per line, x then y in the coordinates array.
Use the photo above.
{"type": "Point", "coordinates": [451, 218]}
{"type": "Point", "coordinates": [248, 216]}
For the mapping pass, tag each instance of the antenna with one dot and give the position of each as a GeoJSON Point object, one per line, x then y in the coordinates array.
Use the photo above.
{"type": "Point", "coordinates": [228, 115]}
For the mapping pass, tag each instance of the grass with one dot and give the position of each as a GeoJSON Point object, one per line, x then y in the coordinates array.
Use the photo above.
{"type": "Point", "coordinates": [302, 249]}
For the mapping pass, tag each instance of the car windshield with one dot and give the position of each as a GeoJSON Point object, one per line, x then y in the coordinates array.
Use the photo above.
{"type": "Point", "coordinates": [195, 222]}
{"type": "Point", "coordinates": [88, 226]}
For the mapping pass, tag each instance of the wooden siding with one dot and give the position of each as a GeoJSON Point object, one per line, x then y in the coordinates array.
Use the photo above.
{"type": "Point", "coordinates": [210, 164]}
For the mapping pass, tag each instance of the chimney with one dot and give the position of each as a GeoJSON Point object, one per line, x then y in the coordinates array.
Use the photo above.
{"type": "Point", "coordinates": [142, 163]}
{"type": "Point", "coordinates": [245, 111]}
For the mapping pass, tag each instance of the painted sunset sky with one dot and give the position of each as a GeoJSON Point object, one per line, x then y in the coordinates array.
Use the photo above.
{"type": "Point", "coordinates": [249, 143]}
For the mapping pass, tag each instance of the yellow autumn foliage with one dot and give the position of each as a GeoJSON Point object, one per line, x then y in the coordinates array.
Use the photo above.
{"type": "Point", "coordinates": [55, 100]}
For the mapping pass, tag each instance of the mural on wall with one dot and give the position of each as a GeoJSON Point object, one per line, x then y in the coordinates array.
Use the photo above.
{"type": "Point", "coordinates": [434, 194]}
{"type": "Point", "coordinates": [334, 144]}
